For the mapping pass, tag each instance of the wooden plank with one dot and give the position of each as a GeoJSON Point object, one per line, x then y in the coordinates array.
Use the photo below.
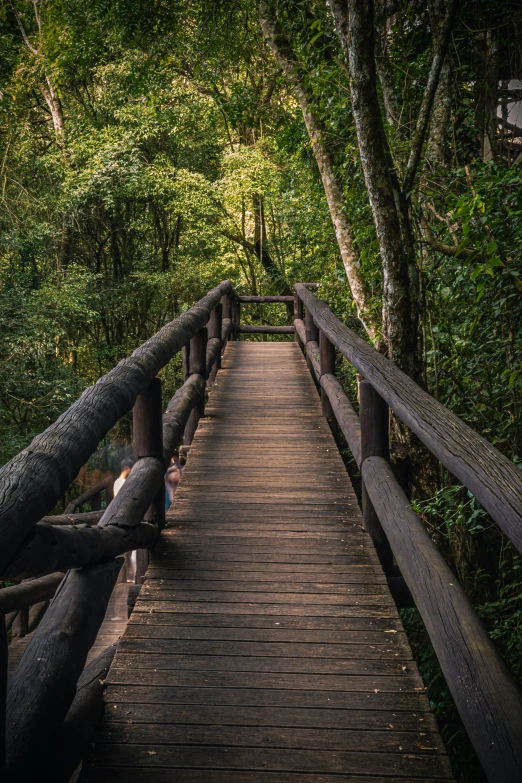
{"type": "Point", "coordinates": [264, 641]}
{"type": "Point", "coordinates": [302, 622]}
{"type": "Point", "coordinates": [413, 703]}
{"type": "Point", "coordinates": [272, 736]}
{"type": "Point", "coordinates": [279, 759]}
{"type": "Point", "coordinates": [146, 774]}
{"type": "Point", "coordinates": [361, 719]}
{"type": "Point", "coordinates": [163, 646]}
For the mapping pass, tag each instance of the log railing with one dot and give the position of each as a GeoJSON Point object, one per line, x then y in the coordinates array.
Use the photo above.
{"type": "Point", "coordinates": [74, 556]}
{"type": "Point", "coordinates": [488, 700]}
{"type": "Point", "coordinates": [48, 703]}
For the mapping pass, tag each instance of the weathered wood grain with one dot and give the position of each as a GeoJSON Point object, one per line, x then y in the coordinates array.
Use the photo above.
{"type": "Point", "coordinates": [70, 743]}
{"type": "Point", "coordinates": [50, 548]}
{"type": "Point", "coordinates": [488, 700]}
{"type": "Point", "coordinates": [43, 685]}
{"type": "Point", "coordinates": [266, 299]}
{"type": "Point", "coordinates": [177, 413]}
{"type": "Point", "coordinates": [312, 354]}
{"type": "Point", "coordinates": [265, 618]}
{"type": "Point", "coordinates": [494, 480]}
{"type": "Point", "coordinates": [29, 593]}
{"type": "Point", "coordinates": [265, 329]}
{"type": "Point", "coordinates": [344, 413]}
{"type": "Point", "coordinates": [132, 501]}
{"type": "Point", "coordinates": [80, 518]}
{"type": "Point", "coordinates": [33, 481]}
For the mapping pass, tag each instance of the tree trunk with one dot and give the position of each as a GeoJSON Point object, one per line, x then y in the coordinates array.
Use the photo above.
{"type": "Point", "coordinates": [55, 107]}
{"type": "Point", "coordinates": [284, 57]}
{"type": "Point", "coordinates": [355, 27]}
{"type": "Point", "coordinates": [437, 140]}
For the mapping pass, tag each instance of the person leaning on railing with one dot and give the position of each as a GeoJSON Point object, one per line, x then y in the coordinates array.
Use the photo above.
{"type": "Point", "coordinates": [125, 467]}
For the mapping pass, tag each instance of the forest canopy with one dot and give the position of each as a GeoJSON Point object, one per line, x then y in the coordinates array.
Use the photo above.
{"type": "Point", "coordinates": [149, 150]}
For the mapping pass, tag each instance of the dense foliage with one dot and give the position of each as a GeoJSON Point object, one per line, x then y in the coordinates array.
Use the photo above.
{"type": "Point", "coordinates": [149, 150]}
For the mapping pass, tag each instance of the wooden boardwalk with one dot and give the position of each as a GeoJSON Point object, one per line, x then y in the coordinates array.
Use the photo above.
{"type": "Point", "coordinates": [265, 646]}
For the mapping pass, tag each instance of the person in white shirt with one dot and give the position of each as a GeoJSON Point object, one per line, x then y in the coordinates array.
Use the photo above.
{"type": "Point", "coordinates": [125, 467]}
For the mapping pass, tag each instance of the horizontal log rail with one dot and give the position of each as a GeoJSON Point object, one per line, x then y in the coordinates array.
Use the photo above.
{"type": "Point", "coordinates": [77, 518]}
{"type": "Point", "coordinates": [29, 593]}
{"type": "Point", "coordinates": [43, 685]}
{"type": "Point", "coordinates": [88, 543]}
{"type": "Point", "coordinates": [493, 479]}
{"type": "Point", "coordinates": [40, 548]}
{"type": "Point", "coordinates": [27, 491]}
{"type": "Point", "coordinates": [488, 700]}
{"type": "Point", "coordinates": [266, 329]}
{"type": "Point", "coordinates": [266, 299]}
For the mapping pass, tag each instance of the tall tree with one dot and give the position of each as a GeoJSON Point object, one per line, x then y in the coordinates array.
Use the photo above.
{"type": "Point", "coordinates": [284, 56]}
{"type": "Point", "coordinates": [389, 199]}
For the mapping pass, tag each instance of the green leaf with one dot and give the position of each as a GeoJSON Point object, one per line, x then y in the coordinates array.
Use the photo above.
{"type": "Point", "coordinates": [465, 242]}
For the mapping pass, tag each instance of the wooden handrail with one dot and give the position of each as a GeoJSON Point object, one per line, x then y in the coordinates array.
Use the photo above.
{"type": "Point", "coordinates": [266, 299]}
{"type": "Point", "coordinates": [35, 479]}
{"type": "Point", "coordinates": [487, 698]}
{"type": "Point", "coordinates": [489, 475]}
{"type": "Point", "coordinates": [265, 329]}
{"type": "Point", "coordinates": [43, 684]}
{"type": "Point", "coordinates": [38, 476]}
{"type": "Point", "coordinates": [29, 593]}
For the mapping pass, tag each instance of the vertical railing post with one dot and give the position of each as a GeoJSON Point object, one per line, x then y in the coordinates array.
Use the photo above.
{"type": "Point", "coordinates": [225, 313]}
{"type": "Point", "coordinates": [374, 418]}
{"type": "Point", "coordinates": [312, 334]}
{"type": "Point", "coordinates": [237, 316]}
{"type": "Point", "coordinates": [214, 332]}
{"type": "Point", "coordinates": [197, 364]}
{"type": "Point", "coordinates": [147, 441]}
{"type": "Point", "coordinates": [20, 625]}
{"type": "Point", "coordinates": [298, 314]}
{"type": "Point", "coordinates": [327, 364]}
{"type": "Point", "coordinates": [4, 658]}
{"type": "Point", "coordinates": [233, 333]}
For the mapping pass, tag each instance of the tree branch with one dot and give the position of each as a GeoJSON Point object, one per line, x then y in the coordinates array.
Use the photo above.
{"type": "Point", "coordinates": [22, 29]}
{"type": "Point", "coordinates": [441, 48]}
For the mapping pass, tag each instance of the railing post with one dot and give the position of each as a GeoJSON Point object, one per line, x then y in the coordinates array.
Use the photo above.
{"type": "Point", "coordinates": [235, 315]}
{"type": "Point", "coordinates": [147, 441]}
{"type": "Point", "coordinates": [20, 626]}
{"type": "Point", "coordinates": [298, 314]}
{"type": "Point", "coordinates": [374, 418]}
{"type": "Point", "coordinates": [225, 313]}
{"type": "Point", "coordinates": [197, 364]}
{"type": "Point", "coordinates": [214, 332]}
{"type": "Point", "coordinates": [312, 334]}
{"type": "Point", "coordinates": [327, 364]}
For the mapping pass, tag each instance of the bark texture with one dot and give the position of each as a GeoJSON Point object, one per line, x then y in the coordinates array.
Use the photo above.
{"type": "Point", "coordinates": [33, 481]}
{"type": "Point", "coordinates": [284, 58]}
{"type": "Point", "coordinates": [71, 743]}
{"type": "Point", "coordinates": [354, 21]}
{"type": "Point", "coordinates": [43, 685]}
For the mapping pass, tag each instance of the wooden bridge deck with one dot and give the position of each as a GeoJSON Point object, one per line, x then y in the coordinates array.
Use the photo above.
{"type": "Point", "coordinates": [265, 646]}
